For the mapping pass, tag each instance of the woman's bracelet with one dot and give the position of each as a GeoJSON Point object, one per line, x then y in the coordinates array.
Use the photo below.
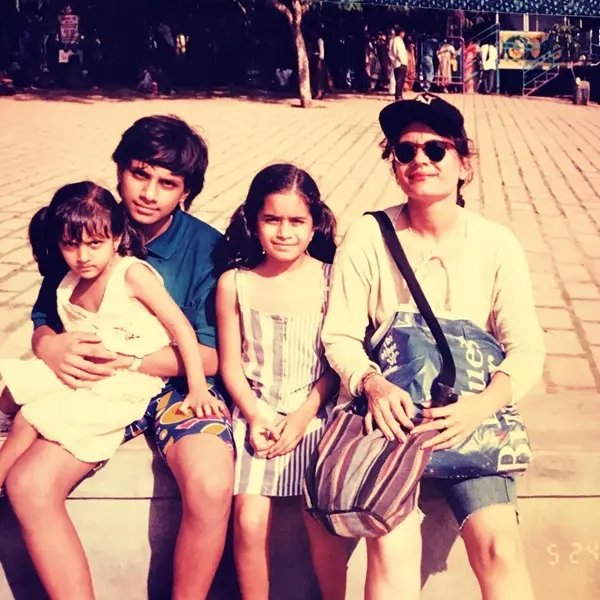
{"type": "Point", "coordinates": [365, 378]}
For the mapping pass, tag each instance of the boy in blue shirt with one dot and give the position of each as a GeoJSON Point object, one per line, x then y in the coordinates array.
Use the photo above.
{"type": "Point", "coordinates": [161, 164]}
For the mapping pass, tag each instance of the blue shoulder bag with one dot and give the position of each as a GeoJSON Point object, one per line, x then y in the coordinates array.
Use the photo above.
{"type": "Point", "coordinates": [440, 360]}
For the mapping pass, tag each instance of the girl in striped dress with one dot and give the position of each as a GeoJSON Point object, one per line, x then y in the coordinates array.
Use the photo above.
{"type": "Point", "coordinates": [270, 308]}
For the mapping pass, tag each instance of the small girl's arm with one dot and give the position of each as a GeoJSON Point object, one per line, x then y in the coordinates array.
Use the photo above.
{"type": "Point", "coordinates": [230, 353]}
{"type": "Point", "coordinates": [145, 287]}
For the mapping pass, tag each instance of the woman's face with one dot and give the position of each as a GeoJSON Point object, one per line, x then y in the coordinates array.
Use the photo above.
{"type": "Point", "coordinates": [425, 178]}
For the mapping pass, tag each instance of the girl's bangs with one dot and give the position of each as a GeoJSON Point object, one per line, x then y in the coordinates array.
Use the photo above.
{"type": "Point", "coordinates": [86, 218]}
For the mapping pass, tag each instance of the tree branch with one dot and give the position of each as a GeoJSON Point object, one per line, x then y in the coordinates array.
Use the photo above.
{"type": "Point", "coordinates": [282, 8]}
{"type": "Point", "coordinates": [241, 7]}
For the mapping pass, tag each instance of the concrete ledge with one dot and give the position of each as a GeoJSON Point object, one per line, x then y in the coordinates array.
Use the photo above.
{"type": "Point", "coordinates": [128, 516]}
{"type": "Point", "coordinates": [131, 559]}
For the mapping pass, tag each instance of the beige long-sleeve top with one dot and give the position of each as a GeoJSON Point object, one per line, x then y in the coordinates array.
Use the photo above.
{"type": "Point", "coordinates": [484, 277]}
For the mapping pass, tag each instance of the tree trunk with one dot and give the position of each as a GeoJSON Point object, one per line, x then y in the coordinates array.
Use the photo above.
{"type": "Point", "coordinates": [303, 68]}
{"type": "Point", "coordinates": [294, 17]}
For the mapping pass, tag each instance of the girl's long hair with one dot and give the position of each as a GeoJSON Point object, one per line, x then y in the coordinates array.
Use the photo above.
{"type": "Point", "coordinates": [77, 208]}
{"type": "Point", "coordinates": [241, 247]}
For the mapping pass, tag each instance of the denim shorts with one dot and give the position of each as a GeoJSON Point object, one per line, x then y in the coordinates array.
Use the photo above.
{"type": "Point", "coordinates": [467, 496]}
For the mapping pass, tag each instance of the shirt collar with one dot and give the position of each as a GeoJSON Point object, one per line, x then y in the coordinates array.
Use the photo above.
{"type": "Point", "coordinates": [166, 243]}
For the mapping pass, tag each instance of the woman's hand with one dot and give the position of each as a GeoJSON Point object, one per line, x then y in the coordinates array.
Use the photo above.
{"type": "Point", "coordinates": [390, 406]}
{"type": "Point", "coordinates": [291, 431]}
{"type": "Point", "coordinates": [455, 422]}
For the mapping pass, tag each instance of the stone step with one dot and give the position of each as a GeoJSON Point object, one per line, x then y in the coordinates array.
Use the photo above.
{"type": "Point", "coordinates": [130, 544]}
{"type": "Point", "coordinates": [563, 432]}
{"type": "Point", "coordinates": [128, 516]}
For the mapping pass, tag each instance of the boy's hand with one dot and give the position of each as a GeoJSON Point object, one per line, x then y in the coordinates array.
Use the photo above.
{"type": "Point", "coordinates": [204, 404]}
{"type": "Point", "coordinates": [77, 358]}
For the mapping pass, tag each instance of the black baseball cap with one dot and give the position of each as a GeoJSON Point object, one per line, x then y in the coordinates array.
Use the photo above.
{"type": "Point", "coordinates": [429, 109]}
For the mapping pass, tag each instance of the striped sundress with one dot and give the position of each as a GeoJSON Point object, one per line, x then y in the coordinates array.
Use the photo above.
{"type": "Point", "coordinates": [282, 358]}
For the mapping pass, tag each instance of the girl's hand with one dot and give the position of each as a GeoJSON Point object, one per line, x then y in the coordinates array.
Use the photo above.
{"type": "Point", "coordinates": [390, 406]}
{"type": "Point", "coordinates": [204, 404]}
{"type": "Point", "coordinates": [455, 422]}
{"type": "Point", "coordinates": [262, 434]}
{"type": "Point", "coordinates": [291, 431]}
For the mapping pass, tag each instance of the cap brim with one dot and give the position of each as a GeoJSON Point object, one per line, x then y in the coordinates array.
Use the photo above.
{"type": "Point", "coordinates": [396, 117]}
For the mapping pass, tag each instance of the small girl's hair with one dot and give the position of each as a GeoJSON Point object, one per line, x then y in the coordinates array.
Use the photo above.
{"type": "Point", "coordinates": [241, 247]}
{"type": "Point", "coordinates": [77, 208]}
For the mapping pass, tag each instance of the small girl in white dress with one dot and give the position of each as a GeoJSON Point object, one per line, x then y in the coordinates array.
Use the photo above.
{"type": "Point", "coordinates": [270, 309]}
{"type": "Point", "coordinates": [109, 292]}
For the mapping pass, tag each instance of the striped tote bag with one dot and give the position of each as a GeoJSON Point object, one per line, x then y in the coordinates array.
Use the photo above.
{"type": "Point", "coordinates": [361, 485]}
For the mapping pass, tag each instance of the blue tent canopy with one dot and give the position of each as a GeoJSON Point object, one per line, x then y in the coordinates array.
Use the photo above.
{"type": "Point", "coordinates": [576, 8]}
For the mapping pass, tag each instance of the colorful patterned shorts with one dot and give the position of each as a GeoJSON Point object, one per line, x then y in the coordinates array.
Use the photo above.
{"type": "Point", "coordinates": [170, 425]}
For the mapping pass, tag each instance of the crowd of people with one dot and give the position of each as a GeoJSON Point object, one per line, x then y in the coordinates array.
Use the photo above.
{"type": "Point", "coordinates": [234, 351]}
{"type": "Point", "coordinates": [396, 62]}
{"type": "Point", "coordinates": [42, 48]}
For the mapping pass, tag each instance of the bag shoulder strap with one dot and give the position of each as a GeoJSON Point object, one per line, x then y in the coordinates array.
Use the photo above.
{"type": "Point", "coordinates": [447, 375]}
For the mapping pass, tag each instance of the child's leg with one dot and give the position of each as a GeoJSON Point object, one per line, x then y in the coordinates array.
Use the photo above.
{"type": "Point", "coordinates": [20, 438]}
{"type": "Point", "coordinates": [329, 554]}
{"type": "Point", "coordinates": [252, 524]}
{"type": "Point", "coordinates": [37, 487]}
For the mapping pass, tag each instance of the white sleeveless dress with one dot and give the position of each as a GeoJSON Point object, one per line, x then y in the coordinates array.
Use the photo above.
{"type": "Point", "coordinates": [282, 358]}
{"type": "Point", "coordinates": [89, 422]}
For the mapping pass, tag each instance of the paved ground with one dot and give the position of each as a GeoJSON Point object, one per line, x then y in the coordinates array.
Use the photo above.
{"type": "Point", "coordinates": [538, 171]}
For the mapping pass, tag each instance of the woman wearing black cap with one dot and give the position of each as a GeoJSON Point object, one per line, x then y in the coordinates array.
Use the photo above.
{"type": "Point", "coordinates": [467, 266]}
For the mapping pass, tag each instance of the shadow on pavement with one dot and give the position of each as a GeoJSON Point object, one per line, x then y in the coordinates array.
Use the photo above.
{"type": "Point", "coordinates": [95, 95]}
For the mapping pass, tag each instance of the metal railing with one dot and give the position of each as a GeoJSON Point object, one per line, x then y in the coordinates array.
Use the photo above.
{"type": "Point", "coordinates": [539, 72]}
{"type": "Point", "coordinates": [490, 35]}
{"type": "Point", "coordinates": [456, 79]}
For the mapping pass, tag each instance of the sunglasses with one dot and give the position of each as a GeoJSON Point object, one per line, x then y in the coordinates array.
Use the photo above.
{"type": "Point", "coordinates": [435, 150]}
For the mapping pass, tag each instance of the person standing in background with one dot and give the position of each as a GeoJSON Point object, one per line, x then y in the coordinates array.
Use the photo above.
{"type": "Point", "coordinates": [399, 60]}
{"type": "Point", "coordinates": [318, 70]}
{"type": "Point", "coordinates": [472, 64]}
{"type": "Point", "coordinates": [446, 54]}
{"type": "Point", "coordinates": [382, 47]}
{"type": "Point", "coordinates": [428, 50]}
{"type": "Point", "coordinates": [411, 71]}
{"type": "Point", "coordinates": [489, 65]}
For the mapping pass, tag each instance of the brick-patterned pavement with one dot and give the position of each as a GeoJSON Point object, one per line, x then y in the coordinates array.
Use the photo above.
{"type": "Point", "coordinates": [538, 171]}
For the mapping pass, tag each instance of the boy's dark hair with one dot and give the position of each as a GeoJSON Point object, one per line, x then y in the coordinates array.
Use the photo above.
{"type": "Point", "coordinates": [77, 208]}
{"type": "Point", "coordinates": [398, 30]}
{"type": "Point", "coordinates": [241, 246]}
{"type": "Point", "coordinates": [169, 142]}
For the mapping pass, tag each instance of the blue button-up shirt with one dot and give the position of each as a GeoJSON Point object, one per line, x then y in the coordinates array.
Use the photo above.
{"type": "Point", "coordinates": [183, 255]}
